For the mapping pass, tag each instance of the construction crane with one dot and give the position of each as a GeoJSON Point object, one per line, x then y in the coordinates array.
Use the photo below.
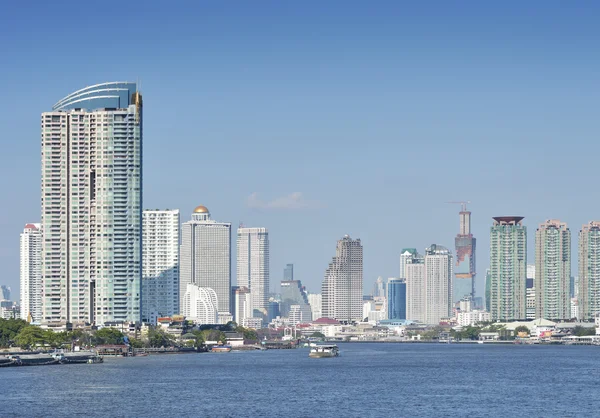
{"type": "Point", "coordinates": [463, 204]}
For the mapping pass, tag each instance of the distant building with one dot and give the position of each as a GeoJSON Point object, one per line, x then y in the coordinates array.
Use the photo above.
{"type": "Point", "coordinates": [438, 284]}
{"type": "Point", "coordinates": [396, 299]}
{"type": "Point", "coordinates": [30, 274]}
{"type": "Point", "coordinates": [415, 288]}
{"type": "Point", "coordinates": [342, 286]}
{"type": "Point", "coordinates": [464, 269]}
{"type": "Point", "coordinates": [379, 287]}
{"type": "Point", "coordinates": [553, 271]}
{"type": "Point", "coordinates": [315, 300]}
{"type": "Point", "coordinates": [160, 264]}
{"type": "Point", "coordinates": [471, 318]}
{"type": "Point", "coordinates": [288, 272]}
{"type": "Point", "coordinates": [294, 294]}
{"type": "Point", "coordinates": [253, 264]}
{"type": "Point", "coordinates": [574, 308]}
{"type": "Point", "coordinates": [242, 302]}
{"type": "Point", "coordinates": [5, 292]}
{"type": "Point", "coordinates": [478, 303]}
{"type": "Point", "coordinates": [530, 293]}
{"type": "Point", "coordinates": [589, 271]}
{"type": "Point", "coordinates": [508, 261]}
{"type": "Point", "coordinates": [406, 255]}
{"type": "Point", "coordinates": [200, 305]}
{"type": "Point", "coordinates": [273, 310]}
{"type": "Point", "coordinates": [488, 290]}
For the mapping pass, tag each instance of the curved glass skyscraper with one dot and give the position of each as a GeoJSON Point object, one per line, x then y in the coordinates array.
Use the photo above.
{"type": "Point", "coordinates": [92, 206]}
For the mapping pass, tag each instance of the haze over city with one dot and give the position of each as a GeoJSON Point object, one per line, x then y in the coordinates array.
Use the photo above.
{"type": "Point", "coordinates": [327, 120]}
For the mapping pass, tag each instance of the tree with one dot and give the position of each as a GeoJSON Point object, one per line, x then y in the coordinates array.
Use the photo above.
{"type": "Point", "coordinates": [521, 328]}
{"type": "Point", "coordinates": [158, 338]}
{"type": "Point", "coordinates": [29, 337]}
{"type": "Point", "coordinates": [582, 331]}
{"type": "Point", "coordinates": [108, 336]}
{"type": "Point", "coordinates": [318, 335]}
{"type": "Point", "coordinates": [9, 328]}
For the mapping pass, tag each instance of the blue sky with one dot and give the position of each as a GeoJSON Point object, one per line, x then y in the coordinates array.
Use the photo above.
{"type": "Point", "coordinates": [338, 118]}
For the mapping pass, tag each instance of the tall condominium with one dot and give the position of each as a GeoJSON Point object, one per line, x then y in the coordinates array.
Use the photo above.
{"type": "Point", "coordinates": [508, 262]}
{"type": "Point", "coordinates": [315, 301]}
{"type": "Point", "coordinates": [415, 288]}
{"type": "Point", "coordinates": [406, 255]}
{"type": "Point", "coordinates": [242, 305]}
{"type": "Point", "coordinates": [342, 287]}
{"type": "Point", "coordinates": [205, 258]}
{"type": "Point", "coordinates": [465, 244]}
{"type": "Point", "coordinates": [488, 290]}
{"type": "Point", "coordinates": [396, 298]}
{"type": "Point", "coordinates": [160, 264]}
{"type": "Point", "coordinates": [31, 273]}
{"type": "Point", "coordinates": [552, 271]}
{"type": "Point", "coordinates": [589, 271]}
{"type": "Point", "coordinates": [253, 265]}
{"type": "Point", "coordinates": [288, 272]}
{"type": "Point", "coordinates": [438, 284]}
{"type": "Point", "coordinates": [92, 206]}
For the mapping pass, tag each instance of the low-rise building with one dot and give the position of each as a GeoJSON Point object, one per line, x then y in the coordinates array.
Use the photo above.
{"type": "Point", "coordinates": [468, 318]}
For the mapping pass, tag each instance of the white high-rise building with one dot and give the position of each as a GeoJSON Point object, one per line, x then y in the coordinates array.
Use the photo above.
{"type": "Point", "coordinates": [31, 273]}
{"type": "Point", "coordinates": [160, 264]}
{"type": "Point", "coordinates": [342, 287]}
{"type": "Point", "coordinates": [438, 284]}
{"type": "Point", "coordinates": [407, 254]}
{"type": "Point", "coordinates": [242, 301]}
{"type": "Point", "coordinates": [253, 264]}
{"type": "Point", "coordinates": [588, 296]}
{"type": "Point", "coordinates": [315, 300]}
{"type": "Point", "coordinates": [200, 305]}
{"type": "Point", "coordinates": [415, 288]}
{"type": "Point", "coordinates": [205, 258]}
{"type": "Point", "coordinates": [92, 206]}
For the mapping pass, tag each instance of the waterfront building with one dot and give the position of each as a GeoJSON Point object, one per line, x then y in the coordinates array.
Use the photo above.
{"type": "Point", "coordinates": [553, 271]}
{"type": "Point", "coordinates": [200, 304]}
{"type": "Point", "coordinates": [438, 284]}
{"type": "Point", "coordinates": [589, 271]}
{"type": "Point", "coordinates": [415, 288]}
{"type": "Point", "coordinates": [396, 299]}
{"type": "Point", "coordinates": [406, 255]}
{"type": "Point", "coordinates": [30, 274]}
{"type": "Point", "coordinates": [342, 286]}
{"type": "Point", "coordinates": [508, 261]}
{"type": "Point", "coordinates": [91, 206]}
{"type": "Point", "coordinates": [253, 264]}
{"type": "Point", "coordinates": [315, 300]}
{"type": "Point", "coordinates": [574, 308]}
{"type": "Point", "coordinates": [464, 269]}
{"type": "Point", "coordinates": [530, 293]}
{"type": "Point", "coordinates": [293, 293]}
{"type": "Point", "coordinates": [160, 264]}
{"type": "Point", "coordinates": [5, 290]}
{"type": "Point", "coordinates": [470, 318]}
{"type": "Point", "coordinates": [205, 258]}
{"type": "Point", "coordinates": [288, 272]}
{"type": "Point", "coordinates": [242, 302]}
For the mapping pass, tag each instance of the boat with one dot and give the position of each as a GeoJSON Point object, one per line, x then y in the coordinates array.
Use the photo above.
{"type": "Point", "coordinates": [76, 357]}
{"type": "Point", "coordinates": [221, 349]}
{"type": "Point", "coordinates": [6, 362]}
{"type": "Point", "coordinates": [324, 350]}
{"type": "Point", "coordinates": [34, 360]}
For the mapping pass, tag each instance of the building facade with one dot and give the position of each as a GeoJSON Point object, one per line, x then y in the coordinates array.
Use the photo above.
{"type": "Point", "coordinates": [315, 300]}
{"type": "Point", "coordinates": [415, 288]}
{"type": "Point", "coordinates": [396, 298]}
{"type": "Point", "coordinates": [242, 302]}
{"type": "Point", "coordinates": [464, 269]}
{"type": "Point", "coordinates": [438, 284]}
{"type": "Point", "coordinates": [160, 264]}
{"type": "Point", "coordinates": [342, 287]}
{"type": "Point", "coordinates": [508, 261]}
{"type": "Point", "coordinates": [30, 273]}
{"type": "Point", "coordinates": [200, 305]}
{"type": "Point", "coordinates": [92, 206]}
{"type": "Point", "coordinates": [288, 272]}
{"type": "Point", "coordinates": [294, 294]}
{"type": "Point", "coordinates": [253, 265]}
{"type": "Point", "coordinates": [406, 255]}
{"type": "Point", "coordinates": [205, 257]}
{"type": "Point", "coordinates": [553, 271]}
{"type": "Point", "coordinates": [588, 295]}
{"type": "Point", "coordinates": [5, 290]}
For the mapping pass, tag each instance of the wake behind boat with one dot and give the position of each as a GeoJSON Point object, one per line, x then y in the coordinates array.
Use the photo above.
{"type": "Point", "coordinates": [324, 350]}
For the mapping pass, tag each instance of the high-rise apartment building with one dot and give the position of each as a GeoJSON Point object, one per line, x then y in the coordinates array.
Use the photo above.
{"type": "Point", "coordinates": [588, 296]}
{"type": "Point", "coordinates": [438, 284]}
{"type": "Point", "coordinates": [160, 264]}
{"type": "Point", "coordinates": [488, 290]}
{"type": "Point", "coordinates": [415, 288]}
{"type": "Point", "coordinates": [508, 261]}
{"type": "Point", "coordinates": [205, 258]}
{"type": "Point", "coordinates": [406, 255]}
{"type": "Point", "coordinates": [342, 287]}
{"type": "Point", "coordinates": [92, 206]}
{"type": "Point", "coordinates": [288, 272]}
{"type": "Point", "coordinates": [200, 304]}
{"type": "Point", "coordinates": [31, 273]}
{"type": "Point", "coordinates": [396, 298]}
{"type": "Point", "coordinates": [253, 265]}
{"type": "Point", "coordinates": [465, 243]}
{"type": "Point", "coordinates": [553, 271]}
{"type": "Point", "coordinates": [242, 305]}
{"type": "Point", "coordinates": [315, 301]}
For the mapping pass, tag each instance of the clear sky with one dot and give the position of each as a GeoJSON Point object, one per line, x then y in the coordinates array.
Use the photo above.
{"type": "Point", "coordinates": [318, 120]}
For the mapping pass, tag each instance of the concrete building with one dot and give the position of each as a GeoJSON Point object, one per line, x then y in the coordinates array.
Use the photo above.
{"type": "Point", "coordinates": [253, 265]}
{"type": "Point", "coordinates": [589, 271]}
{"type": "Point", "coordinates": [379, 288]}
{"type": "Point", "coordinates": [205, 258]}
{"type": "Point", "coordinates": [294, 294]}
{"type": "Point", "coordinates": [488, 290]}
{"type": "Point", "coordinates": [30, 273]}
{"type": "Point", "coordinates": [315, 300]}
{"type": "Point", "coordinates": [160, 264]}
{"type": "Point", "coordinates": [508, 261]}
{"type": "Point", "coordinates": [342, 287]}
{"type": "Point", "coordinates": [242, 301]}
{"type": "Point", "coordinates": [288, 272]}
{"type": "Point", "coordinates": [415, 288]}
{"type": "Point", "coordinates": [553, 271]}
{"type": "Point", "coordinates": [5, 291]}
{"type": "Point", "coordinates": [91, 206]}
{"type": "Point", "coordinates": [406, 255]}
{"type": "Point", "coordinates": [396, 299]}
{"type": "Point", "coordinates": [530, 293]}
{"type": "Point", "coordinates": [438, 284]}
{"type": "Point", "coordinates": [200, 305]}
{"type": "Point", "coordinates": [470, 318]}
{"type": "Point", "coordinates": [464, 268]}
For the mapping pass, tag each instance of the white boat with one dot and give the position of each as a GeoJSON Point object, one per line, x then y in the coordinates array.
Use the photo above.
{"type": "Point", "coordinates": [324, 350]}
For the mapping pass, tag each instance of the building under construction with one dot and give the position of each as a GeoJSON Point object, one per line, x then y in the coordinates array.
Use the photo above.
{"type": "Point", "coordinates": [464, 269]}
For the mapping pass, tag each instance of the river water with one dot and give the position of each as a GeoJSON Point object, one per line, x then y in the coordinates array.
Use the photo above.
{"type": "Point", "coordinates": [368, 380]}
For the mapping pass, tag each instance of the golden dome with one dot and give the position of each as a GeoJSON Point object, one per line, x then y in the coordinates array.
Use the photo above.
{"type": "Point", "coordinates": [201, 209]}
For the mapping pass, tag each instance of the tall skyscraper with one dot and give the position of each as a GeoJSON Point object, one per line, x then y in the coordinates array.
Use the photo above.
{"type": "Point", "coordinates": [5, 290]}
{"type": "Point", "coordinates": [342, 287]}
{"type": "Point", "coordinates": [294, 294]}
{"type": "Point", "coordinates": [553, 271]}
{"type": "Point", "coordinates": [253, 265]}
{"type": "Point", "coordinates": [242, 302]}
{"type": "Point", "coordinates": [288, 272]}
{"type": "Point", "coordinates": [92, 206]}
{"type": "Point", "coordinates": [465, 243]}
{"type": "Point", "coordinates": [31, 273]}
{"type": "Point", "coordinates": [160, 264]}
{"type": "Point", "coordinates": [508, 261]}
{"type": "Point", "coordinates": [488, 290]}
{"type": "Point", "coordinates": [438, 284]}
{"type": "Point", "coordinates": [415, 288]}
{"type": "Point", "coordinates": [205, 258]}
{"type": "Point", "coordinates": [405, 255]}
{"type": "Point", "coordinates": [589, 271]}
{"type": "Point", "coordinates": [315, 301]}
{"type": "Point", "coordinates": [396, 298]}
{"type": "Point", "coordinates": [379, 288]}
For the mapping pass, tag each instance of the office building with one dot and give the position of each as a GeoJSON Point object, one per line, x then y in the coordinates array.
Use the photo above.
{"type": "Point", "coordinates": [342, 287]}
{"type": "Point", "coordinates": [406, 255]}
{"type": "Point", "coordinates": [160, 264]}
{"type": "Point", "coordinates": [30, 274]}
{"type": "Point", "coordinates": [379, 288]}
{"type": "Point", "coordinates": [438, 284]}
{"type": "Point", "coordinates": [253, 265]}
{"type": "Point", "coordinates": [508, 261]}
{"type": "Point", "coordinates": [205, 258]}
{"type": "Point", "coordinates": [315, 300]}
{"type": "Point", "coordinates": [589, 271]}
{"type": "Point", "coordinates": [415, 288]}
{"type": "Point", "coordinates": [396, 298]}
{"type": "Point", "coordinates": [5, 290]}
{"type": "Point", "coordinates": [293, 293]}
{"type": "Point", "coordinates": [288, 272]}
{"type": "Point", "coordinates": [553, 271]}
{"type": "Point", "coordinates": [92, 206]}
{"type": "Point", "coordinates": [464, 269]}
{"type": "Point", "coordinates": [200, 305]}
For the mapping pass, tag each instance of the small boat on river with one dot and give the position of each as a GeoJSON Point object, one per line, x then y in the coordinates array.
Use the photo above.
{"type": "Point", "coordinates": [221, 349]}
{"type": "Point", "coordinates": [324, 350]}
